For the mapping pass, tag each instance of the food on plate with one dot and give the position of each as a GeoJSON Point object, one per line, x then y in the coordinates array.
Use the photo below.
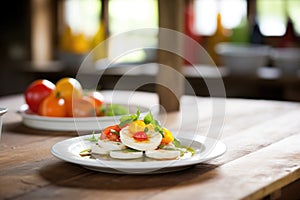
{"type": "Point", "coordinates": [140, 140]}
{"type": "Point", "coordinates": [68, 88]}
{"type": "Point", "coordinates": [81, 107]}
{"type": "Point", "coordinates": [112, 110]}
{"type": "Point", "coordinates": [53, 106]}
{"type": "Point", "coordinates": [135, 138]}
{"type": "Point", "coordinates": [67, 99]}
{"type": "Point", "coordinates": [126, 154]}
{"type": "Point", "coordinates": [162, 154]}
{"type": "Point", "coordinates": [97, 100]}
{"type": "Point", "coordinates": [36, 92]}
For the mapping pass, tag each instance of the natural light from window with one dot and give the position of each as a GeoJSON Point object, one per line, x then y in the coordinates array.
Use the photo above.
{"type": "Point", "coordinates": [272, 17]}
{"type": "Point", "coordinates": [128, 15]}
{"type": "Point", "coordinates": [232, 12]}
{"type": "Point", "coordinates": [82, 16]}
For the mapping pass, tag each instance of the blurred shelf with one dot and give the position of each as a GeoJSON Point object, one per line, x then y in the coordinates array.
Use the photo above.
{"type": "Point", "coordinates": [267, 83]}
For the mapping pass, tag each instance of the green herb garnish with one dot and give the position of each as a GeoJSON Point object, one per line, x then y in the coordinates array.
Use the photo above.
{"type": "Point", "coordinates": [129, 118]}
{"type": "Point", "coordinates": [176, 143]}
{"type": "Point", "coordinates": [148, 119]}
{"type": "Point", "coordinates": [114, 132]}
{"type": "Point", "coordinates": [93, 138]}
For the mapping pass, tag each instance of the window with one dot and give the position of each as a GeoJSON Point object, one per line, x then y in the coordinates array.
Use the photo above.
{"type": "Point", "coordinates": [273, 16]}
{"type": "Point", "coordinates": [127, 15]}
{"type": "Point", "coordinates": [232, 12]}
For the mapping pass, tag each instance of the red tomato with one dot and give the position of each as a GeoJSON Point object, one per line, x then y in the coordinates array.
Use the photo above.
{"type": "Point", "coordinates": [36, 92]}
{"type": "Point", "coordinates": [53, 106]}
{"type": "Point", "coordinates": [111, 133]}
{"type": "Point", "coordinates": [97, 99]}
{"type": "Point", "coordinates": [140, 136]}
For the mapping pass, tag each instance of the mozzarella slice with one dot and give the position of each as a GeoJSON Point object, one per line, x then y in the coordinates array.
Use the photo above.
{"type": "Point", "coordinates": [111, 145]}
{"type": "Point", "coordinates": [99, 150]}
{"type": "Point", "coordinates": [126, 154]}
{"type": "Point", "coordinates": [154, 139]}
{"type": "Point", "coordinates": [162, 154]}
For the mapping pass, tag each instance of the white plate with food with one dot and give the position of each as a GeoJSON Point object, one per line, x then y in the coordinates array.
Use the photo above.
{"type": "Point", "coordinates": [137, 145]}
{"type": "Point", "coordinates": [36, 121]}
{"type": "Point", "coordinates": [204, 148]}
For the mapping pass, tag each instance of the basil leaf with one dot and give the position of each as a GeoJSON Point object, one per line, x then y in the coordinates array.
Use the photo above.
{"type": "Point", "coordinates": [129, 118]}
{"type": "Point", "coordinates": [148, 118]}
{"type": "Point", "coordinates": [124, 122]}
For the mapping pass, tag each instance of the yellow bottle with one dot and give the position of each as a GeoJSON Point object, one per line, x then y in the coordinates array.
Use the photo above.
{"type": "Point", "coordinates": [98, 44]}
{"type": "Point", "coordinates": [66, 39]}
{"type": "Point", "coordinates": [221, 35]}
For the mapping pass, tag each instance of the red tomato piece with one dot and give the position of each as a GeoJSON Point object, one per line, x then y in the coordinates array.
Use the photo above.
{"type": "Point", "coordinates": [111, 133]}
{"type": "Point", "coordinates": [36, 92]}
{"type": "Point", "coordinates": [140, 136]}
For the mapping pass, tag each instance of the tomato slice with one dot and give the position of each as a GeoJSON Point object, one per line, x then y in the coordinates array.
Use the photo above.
{"type": "Point", "coordinates": [111, 133]}
{"type": "Point", "coordinates": [140, 136]}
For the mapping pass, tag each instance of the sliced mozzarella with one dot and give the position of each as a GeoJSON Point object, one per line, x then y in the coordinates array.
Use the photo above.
{"type": "Point", "coordinates": [162, 154]}
{"type": "Point", "coordinates": [99, 150]}
{"type": "Point", "coordinates": [111, 145]}
{"type": "Point", "coordinates": [154, 139]}
{"type": "Point", "coordinates": [126, 154]}
{"type": "Point", "coordinates": [168, 146]}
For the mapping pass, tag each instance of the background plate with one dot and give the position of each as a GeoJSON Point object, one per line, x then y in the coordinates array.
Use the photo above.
{"type": "Point", "coordinates": [74, 124]}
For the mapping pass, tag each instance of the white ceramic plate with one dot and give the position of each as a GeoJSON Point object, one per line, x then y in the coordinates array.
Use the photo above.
{"type": "Point", "coordinates": [73, 124]}
{"type": "Point", "coordinates": [205, 149]}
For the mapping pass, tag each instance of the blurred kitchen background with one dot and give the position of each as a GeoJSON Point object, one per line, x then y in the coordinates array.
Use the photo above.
{"type": "Point", "coordinates": [254, 43]}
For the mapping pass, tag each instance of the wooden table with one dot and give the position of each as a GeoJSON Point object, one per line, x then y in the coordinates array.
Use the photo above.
{"type": "Point", "coordinates": [262, 158]}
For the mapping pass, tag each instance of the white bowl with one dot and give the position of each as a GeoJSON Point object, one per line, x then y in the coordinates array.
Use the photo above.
{"type": "Point", "coordinates": [2, 112]}
{"type": "Point", "coordinates": [242, 58]}
{"type": "Point", "coordinates": [286, 59]}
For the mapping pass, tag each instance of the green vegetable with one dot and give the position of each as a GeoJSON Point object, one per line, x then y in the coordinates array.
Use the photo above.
{"type": "Point", "coordinates": [176, 143]}
{"type": "Point", "coordinates": [93, 138]}
{"type": "Point", "coordinates": [114, 132]}
{"type": "Point", "coordinates": [129, 118]}
{"type": "Point", "coordinates": [148, 119]}
{"type": "Point", "coordinates": [113, 110]}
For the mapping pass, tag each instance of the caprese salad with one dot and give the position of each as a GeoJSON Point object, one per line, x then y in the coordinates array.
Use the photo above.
{"type": "Point", "coordinates": [135, 138]}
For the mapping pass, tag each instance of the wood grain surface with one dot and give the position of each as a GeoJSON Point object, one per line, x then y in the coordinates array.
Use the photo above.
{"type": "Point", "coordinates": [262, 157]}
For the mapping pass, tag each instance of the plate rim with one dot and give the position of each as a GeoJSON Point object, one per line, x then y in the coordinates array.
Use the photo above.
{"type": "Point", "coordinates": [71, 123]}
{"type": "Point", "coordinates": [69, 119]}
